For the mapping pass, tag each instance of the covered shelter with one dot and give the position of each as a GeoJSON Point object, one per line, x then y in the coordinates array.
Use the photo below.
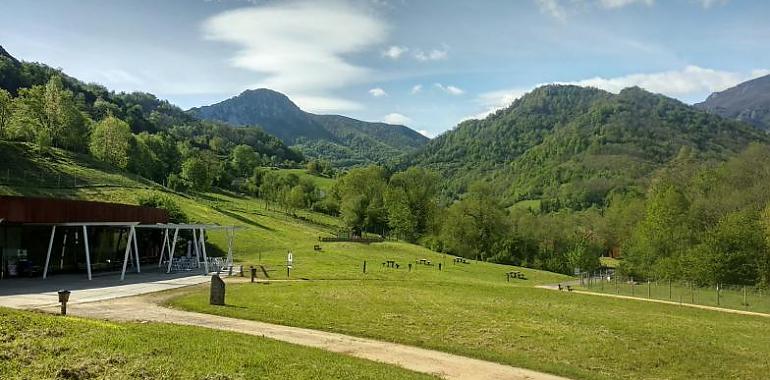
{"type": "Point", "coordinates": [41, 236]}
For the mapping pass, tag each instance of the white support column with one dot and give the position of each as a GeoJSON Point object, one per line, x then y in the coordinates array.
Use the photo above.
{"type": "Point", "coordinates": [63, 248]}
{"type": "Point", "coordinates": [230, 238]}
{"type": "Point", "coordinates": [203, 246]}
{"type": "Point", "coordinates": [163, 247]}
{"type": "Point", "coordinates": [173, 249]}
{"type": "Point", "coordinates": [136, 250]}
{"type": "Point", "coordinates": [88, 251]}
{"type": "Point", "coordinates": [127, 255]}
{"type": "Point", "coordinates": [196, 245]}
{"type": "Point", "coordinates": [48, 255]}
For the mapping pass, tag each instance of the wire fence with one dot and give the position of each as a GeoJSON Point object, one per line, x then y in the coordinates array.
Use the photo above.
{"type": "Point", "coordinates": [749, 298]}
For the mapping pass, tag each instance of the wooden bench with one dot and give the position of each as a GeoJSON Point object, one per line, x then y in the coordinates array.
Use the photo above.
{"type": "Point", "coordinates": [316, 247]}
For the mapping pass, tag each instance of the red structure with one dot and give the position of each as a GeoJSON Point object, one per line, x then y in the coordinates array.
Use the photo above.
{"type": "Point", "coordinates": [29, 210]}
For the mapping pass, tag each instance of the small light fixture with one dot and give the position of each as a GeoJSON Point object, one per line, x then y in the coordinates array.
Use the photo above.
{"type": "Point", "coordinates": [64, 297]}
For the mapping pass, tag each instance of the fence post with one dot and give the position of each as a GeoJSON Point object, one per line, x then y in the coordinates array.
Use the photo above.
{"type": "Point", "coordinates": [692, 293]}
{"type": "Point", "coordinates": [745, 303]}
{"type": "Point", "coordinates": [717, 294]}
{"type": "Point", "coordinates": [648, 288]}
{"type": "Point", "coordinates": [669, 289]}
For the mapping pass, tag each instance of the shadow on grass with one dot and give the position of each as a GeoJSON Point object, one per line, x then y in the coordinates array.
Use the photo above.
{"type": "Point", "coordinates": [241, 218]}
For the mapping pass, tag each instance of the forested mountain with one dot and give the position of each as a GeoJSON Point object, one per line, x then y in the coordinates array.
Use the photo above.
{"type": "Point", "coordinates": [748, 101]}
{"type": "Point", "coordinates": [342, 140]}
{"type": "Point", "coordinates": [133, 131]}
{"type": "Point", "coordinates": [572, 146]}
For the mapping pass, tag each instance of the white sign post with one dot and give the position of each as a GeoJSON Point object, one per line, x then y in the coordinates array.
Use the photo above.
{"type": "Point", "coordinates": [289, 263]}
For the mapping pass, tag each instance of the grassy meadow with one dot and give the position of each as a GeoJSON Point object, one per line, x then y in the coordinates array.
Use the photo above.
{"type": "Point", "coordinates": [38, 346]}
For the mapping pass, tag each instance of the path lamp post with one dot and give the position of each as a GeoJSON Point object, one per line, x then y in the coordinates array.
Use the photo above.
{"type": "Point", "coordinates": [64, 297]}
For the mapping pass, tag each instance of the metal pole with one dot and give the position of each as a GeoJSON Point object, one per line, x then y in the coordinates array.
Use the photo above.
{"type": "Point", "coordinates": [163, 247]}
{"type": "Point", "coordinates": [48, 255]}
{"type": "Point", "coordinates": [88, 252]}
{"type": "Point", "coordinates": [126, 256]}
{"type": "Point", "coordinates": [203, 246]}
{"type": "Point", "coordinates": [173, 249]}
{"type": "Point", "coordinates": [197, 248]}
{"type": "Point", "coordinates": [136, 250]}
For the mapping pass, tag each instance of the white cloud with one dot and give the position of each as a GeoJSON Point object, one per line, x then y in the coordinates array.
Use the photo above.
{"type": "Point", "coordinates": [395, 52]}
{"type": "Point", "coordinates": [710, 3]}
{"type": "Point", "coordinates": [416, 89]}
{"type": "Point", "coordinates": [690, 81]}
{"type": "Point", "coordinates": [377, 92]}
{"type": "Point", "coordinates": [553, 8]}
{"type": "Point", "coordinates": [299, 48]}
{"type": "Point", "coordinates": [431, 55]}
{"type": "Point", "coordinates": [396, 118]}
{"type": "Point", "coordinates": [452, 90]}
{"type": "Point", "coordinates": [426, 133]}
{"type": "Point", "coordinates": [623, 3]}
{"type": "Point", "coordinates": [324, 104]}
{"type": "Point", "coordinates": [686, 83]}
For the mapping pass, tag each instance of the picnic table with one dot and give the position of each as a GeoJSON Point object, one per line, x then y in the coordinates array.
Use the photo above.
{"type": "Point", "coordinates": [515, 274]}
{"type": "Point", "coordinates": [423, 261]}
{"type": "Point", "coordinates": [460, 260]}
{"type": "Point", "coordinates": [390, 264]}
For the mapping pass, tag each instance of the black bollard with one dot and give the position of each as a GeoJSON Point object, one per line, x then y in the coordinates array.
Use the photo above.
{"type": "Point", "coordinates": [410, 267]}
{"type": "Point", "coordinates": [253, 273]}
{"type": "Point", "coordinates": [364, 266]}
{"type": "Point", "coordinates": [217, 295]}
{"type": "Point", "coordinates": [64, 297]}
{"type": "Point", "coordinates": [439, 266]}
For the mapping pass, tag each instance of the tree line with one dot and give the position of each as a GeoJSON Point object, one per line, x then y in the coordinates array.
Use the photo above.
{"type": "Point", "coordinates": [704, 222]}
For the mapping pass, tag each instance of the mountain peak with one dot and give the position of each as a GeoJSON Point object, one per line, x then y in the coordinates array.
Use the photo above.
{"type": "Point", "coordinates": [4, 53]}
{"type": "Point", "coordinates": [348, 141]}
{"type": "Point", "coordinates": [748, 101]}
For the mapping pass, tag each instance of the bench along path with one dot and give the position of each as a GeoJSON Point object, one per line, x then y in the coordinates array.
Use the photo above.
{"type": "Point", "coordinates": [448, 366]}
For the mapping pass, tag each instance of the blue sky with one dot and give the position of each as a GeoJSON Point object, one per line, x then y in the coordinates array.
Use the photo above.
{"type": "Point", "coordinates": [425, 64]}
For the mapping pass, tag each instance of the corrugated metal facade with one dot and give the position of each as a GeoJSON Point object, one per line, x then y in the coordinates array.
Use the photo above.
{"type": "Point", "coordinates": [51, 211]}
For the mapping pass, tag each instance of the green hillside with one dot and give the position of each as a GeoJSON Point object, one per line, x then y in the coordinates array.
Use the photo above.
{"type": "Point", "coordinates": [345, 141]}
{"type": "Point", "coordinates": [575, 145]}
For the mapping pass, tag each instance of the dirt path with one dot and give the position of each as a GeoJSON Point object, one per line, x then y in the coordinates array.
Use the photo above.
{"type": "Point", "coordinates": [704, 307]}
{"type": "Point", "coordinates": [448, 366]}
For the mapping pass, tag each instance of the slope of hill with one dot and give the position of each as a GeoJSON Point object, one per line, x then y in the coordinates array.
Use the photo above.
{"type": "Point", "coordinates": [344, 140]}
{"type": "Point", "coordinates": [748, 101]}
{"type": "Point", "coordinates": [575, 145]}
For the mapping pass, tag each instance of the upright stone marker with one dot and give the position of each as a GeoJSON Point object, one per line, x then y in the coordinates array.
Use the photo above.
{"type": "Point", "coordinates": [217, 296]}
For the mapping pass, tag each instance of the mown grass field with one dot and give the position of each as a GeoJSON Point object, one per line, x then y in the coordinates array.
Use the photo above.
{"type": "Point", "coordinates": [38, 346]}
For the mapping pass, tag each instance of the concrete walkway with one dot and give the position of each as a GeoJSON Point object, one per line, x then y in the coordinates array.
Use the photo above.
{"type": "Point", "coordinates": [29, 293]}
{"type": "Point", "coordinates": [448, 366]}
